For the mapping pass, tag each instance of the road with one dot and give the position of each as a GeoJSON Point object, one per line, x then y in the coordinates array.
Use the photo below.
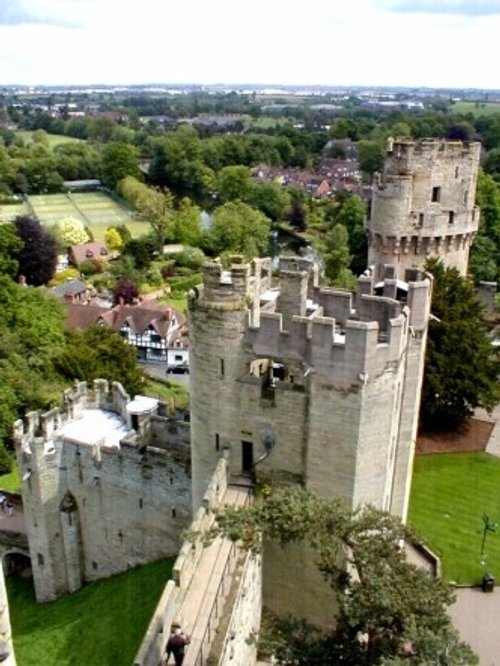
{"type": "Point", "coordinates": [158, 370]}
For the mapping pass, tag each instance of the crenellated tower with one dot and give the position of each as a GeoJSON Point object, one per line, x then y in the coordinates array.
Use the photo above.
{"type": "Point", "coordinates": [423, 204]}
{"type": "Point", "coordinates": [308, 384]}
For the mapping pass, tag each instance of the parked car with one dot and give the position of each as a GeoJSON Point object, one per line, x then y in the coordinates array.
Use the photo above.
{"type": "Point", "coordinates": [179, 369]}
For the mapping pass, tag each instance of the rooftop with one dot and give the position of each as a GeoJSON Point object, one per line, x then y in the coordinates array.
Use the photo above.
{"type": "Point", "coordinates": [93, 426]}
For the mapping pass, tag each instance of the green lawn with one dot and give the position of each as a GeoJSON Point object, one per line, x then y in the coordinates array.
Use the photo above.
{"type": "Point", "coordinates": [97, 210]}
{"type": "Point", "coordinates": [11, 482]}
{"type": "Point", "coordinates": [477, 108]}
{"type": "Point", "coordinates": [450, 494]}
{"type": "Point", "coordinates": [53, 139]}
{"type": "Point", "coordinates": [100, 625]}
{"type": "Point", "coordinates": [166, 390]}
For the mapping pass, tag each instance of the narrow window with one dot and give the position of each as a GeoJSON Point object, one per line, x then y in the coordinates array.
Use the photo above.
{"type": "Point", "coordinates": [436, 194]}
{"type": "Point", "coordinates": [40, 559]}
{"type": "Point", "coordinates": [420, 219]}
{"type": "Point", "coordinates": [173, 513]}
{"type": "Point", "coordinates": [456, 172]}
{"type": "Point", "coordinates": [94, 566]}
{"type": "Point", "coordinates": [217, 441]}
{"type": "Point", "coordinates": [451, 217]}
{"type": "Point", "coordinates": [222, 367]}
{"type": "Point", "coordinates": [140, 502]}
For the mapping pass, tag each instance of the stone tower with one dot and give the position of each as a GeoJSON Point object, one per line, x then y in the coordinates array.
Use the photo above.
{"type": "Point", "coordinates": [305, 384]}
{"type": "Point", "coordinates": [299, 384]}
{"type": "Point", "coordinates": [423, 204]}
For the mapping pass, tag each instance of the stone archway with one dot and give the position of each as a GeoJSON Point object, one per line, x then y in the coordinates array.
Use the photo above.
{"type": "Point", "coordinates": [17, 564]}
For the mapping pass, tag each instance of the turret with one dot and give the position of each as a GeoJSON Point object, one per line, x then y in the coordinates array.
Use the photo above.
{"type": "Point", "coordinates": [423, 204]}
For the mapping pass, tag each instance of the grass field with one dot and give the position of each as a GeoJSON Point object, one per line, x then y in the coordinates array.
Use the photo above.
{"type": "Point", "coordinates": [450, 494]}
{"type": "Point", "coordinates": [100, 625]}
{"type": "Point", "coordinates": [477, 108]}
{"type": "Point", "coordinates": [166, 390]}
{"type": "Point", "coordinates": [97, 210]}
{"type": "Point", "coordinates": [53, 139]}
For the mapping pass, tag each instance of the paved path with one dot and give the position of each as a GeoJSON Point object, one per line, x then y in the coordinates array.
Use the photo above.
{"type": "Point", "coordinates": [202, 607]}
{"type": "Point", "coordinates": [476, 614]}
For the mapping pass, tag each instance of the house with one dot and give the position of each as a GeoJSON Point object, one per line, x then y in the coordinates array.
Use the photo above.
{"type": "Point", "coordinates": [88, 252]}
{"type": "Point", "coordinates": [72, 291]}
{"type": "Point", "coordinates": [148, 326]}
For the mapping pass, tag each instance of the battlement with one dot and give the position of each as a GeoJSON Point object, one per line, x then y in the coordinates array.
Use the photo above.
{"type": "Point", "coordinates": [339, 340]}
{"type": "Point", "coordinates": [403, 153]}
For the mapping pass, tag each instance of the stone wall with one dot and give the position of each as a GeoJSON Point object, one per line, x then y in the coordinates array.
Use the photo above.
{"type": "Point", "coordinates": [94, 510]}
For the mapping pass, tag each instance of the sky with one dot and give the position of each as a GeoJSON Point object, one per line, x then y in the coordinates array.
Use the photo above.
{"type": "Point", "coordinates": [431, 43]}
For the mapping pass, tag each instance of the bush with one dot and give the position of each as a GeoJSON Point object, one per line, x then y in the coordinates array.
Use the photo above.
{"type": "Point", "coordinates": [167, 270]}
{"type": "Point", "coordinates": [182, 284]}
{"type": "Point", "coordinates": [91, 267]}
{"type": "Point", "coordinates": [191, 257]}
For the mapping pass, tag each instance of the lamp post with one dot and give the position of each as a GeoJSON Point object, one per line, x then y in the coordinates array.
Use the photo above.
{"type": "Point", "coordinates": [488, 527]}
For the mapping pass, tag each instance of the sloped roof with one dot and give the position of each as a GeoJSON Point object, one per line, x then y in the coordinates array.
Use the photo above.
{"type": "Point", "coordinates": [69, 288]}
{"type": "Point", "coordinates": [139, 317]}
{"type": "Point", "coordinates": [88, 251]}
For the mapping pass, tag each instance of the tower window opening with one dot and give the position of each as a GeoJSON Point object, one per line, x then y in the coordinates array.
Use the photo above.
{"type": "Point", "coordinates": [173, 513]}
{"type": "Point", "coordinates": [40, 559]}
{"type": "Point", "coordinates": [217, 441]}
{"type": "Point", "coordinates": [222, 368]}
{"type": "Point", "coordinates": [436, 194]}
{"type": "Point", "coordinates": [457, 170]}
{"type": "Point", "coordinates": [420, 219]}
{"type": "Point", "coordinates": [451, 217]}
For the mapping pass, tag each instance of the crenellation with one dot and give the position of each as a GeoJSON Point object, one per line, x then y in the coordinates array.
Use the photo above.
{"type": "Point", "coordinates": [379, 309]}
{"type": "Point", "coordinates": [335, 303]}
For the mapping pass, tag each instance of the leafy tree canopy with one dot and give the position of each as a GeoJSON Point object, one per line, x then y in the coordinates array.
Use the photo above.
{"type": "Point", "coordinates": [37, 259]}
{"type": "Point", "coordinates": [237, 227]}
{"type": "Point", "coordinates": [389, 610]}
{"type": "Point", "coordinates": [462, 366]}
{"type": "Point", "coordinates": [71, 231]}
{"type": "Point", "coordinates": [99, 351]}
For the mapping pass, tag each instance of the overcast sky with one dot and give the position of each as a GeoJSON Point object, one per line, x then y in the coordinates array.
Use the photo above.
{"type": "Point", "coordinates": [436, 43]}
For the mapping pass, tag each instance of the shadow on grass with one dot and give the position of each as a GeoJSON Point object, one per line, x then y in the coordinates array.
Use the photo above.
{"type": "Point", "coordinates": [100, 625]}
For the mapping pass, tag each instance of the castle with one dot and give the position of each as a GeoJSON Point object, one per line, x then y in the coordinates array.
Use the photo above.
{"type": "Point", "coordinates": [291, 382]}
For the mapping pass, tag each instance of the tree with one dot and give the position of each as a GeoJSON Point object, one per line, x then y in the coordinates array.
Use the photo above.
{"type": "Point", "coordinates": [31, 338]}
{"type": "Point", "coordinates": [187, 223]}
{"type": "Point", "coordinates": [71, 231]}
{"type": "Point", "coordinates": [119, 160]}
{"type": "Point", "coordinates": [351, 214]}
{"type": "Point", "coordinates": [113, 239]}
{"type": "Point", "coordinates": [125, 292]}
{"type": "Point", "coordinates": [237, 227]}
{"type": "Point", "coordinates": [156, 207]}
{"type": "Point", "coordinates": [462, 366]}
{"type": "Point", "coordinates": [234, 182]}
{"type": "Point", "coordinates": [37, 258]}
{"type": "Point", "coordinates": [370, 157]}
{"type": "Point", "coordinates": [388, 608]}
{"type": "Point", "coordinates": [10, 246]}
{"type": "Point", "coordinates": [336, 257]}
{"type": "Point", "coordinates": [98, 351]}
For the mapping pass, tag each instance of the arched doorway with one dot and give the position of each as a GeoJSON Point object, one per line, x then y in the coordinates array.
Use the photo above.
{"type": "Point", "coordinates": [17, 565]}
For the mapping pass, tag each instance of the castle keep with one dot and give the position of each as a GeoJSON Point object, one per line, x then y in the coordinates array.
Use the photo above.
{"type": "Point", "coordinates": [423, 204]}
{"type": "Point", "coordinates": [106, 486]}
{"type": "Point", "coordinates": [306, 384]}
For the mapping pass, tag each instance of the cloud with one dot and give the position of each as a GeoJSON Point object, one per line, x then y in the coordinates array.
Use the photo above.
{"type": "Point", "coordinates": [449, 7]}
{"type": "Point", "coordinates": [59, 13]}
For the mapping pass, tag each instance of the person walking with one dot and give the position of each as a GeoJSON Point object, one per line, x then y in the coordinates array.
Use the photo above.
{"type": "Point", "coordinates": [176, 644]}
